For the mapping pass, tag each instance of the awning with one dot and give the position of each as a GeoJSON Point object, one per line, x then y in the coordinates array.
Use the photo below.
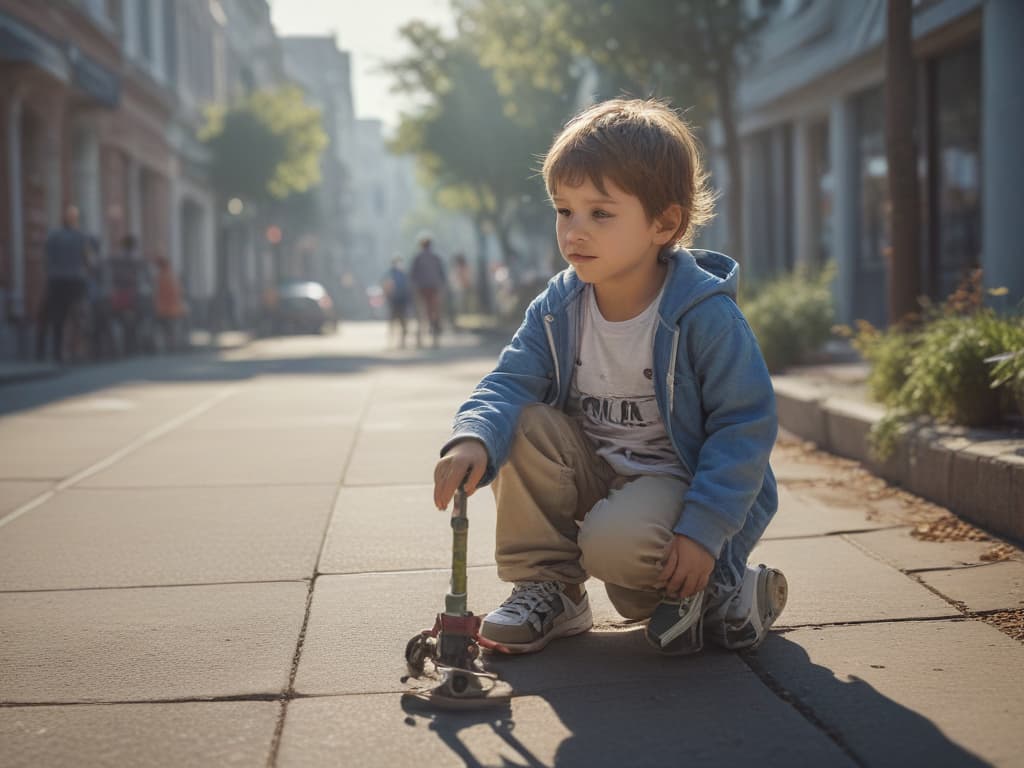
{"type": "Point", "coordinates": [94, 79]}
{"type": "Point", "coordinates": [21, 44]}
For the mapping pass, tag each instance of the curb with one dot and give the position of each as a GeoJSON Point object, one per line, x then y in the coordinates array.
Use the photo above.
{"type": "Point", "coordinates": [977, 474]}
{"type": "Point", "coordinates": [20, 374]}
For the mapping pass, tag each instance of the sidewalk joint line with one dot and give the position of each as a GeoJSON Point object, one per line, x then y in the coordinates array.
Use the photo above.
{"type": "Point", "coordinates": [802, 708]}
{"type": "Point", "coordinates": [139, 442]}
{"type": "Point", "coordinates": [275, 742]}
{"type": "Point", "coordinates": [297, 580]}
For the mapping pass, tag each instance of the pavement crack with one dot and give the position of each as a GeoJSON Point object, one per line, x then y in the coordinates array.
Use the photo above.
{"type": "Point", "coordinates": [802, 707]}
{"type": "Point", "coordinates": [289, 694]}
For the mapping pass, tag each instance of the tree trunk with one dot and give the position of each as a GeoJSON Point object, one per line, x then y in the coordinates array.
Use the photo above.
{"type": "Point", "coordinates": [483, 282]}
{"type": "Point", "coordinates": [734, 196]}
{"type": "Point", "coordinates": [904, 254]}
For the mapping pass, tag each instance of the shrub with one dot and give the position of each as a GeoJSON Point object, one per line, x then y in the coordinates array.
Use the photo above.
{"type": "Point", "coordinates": [791, 316]}
{"type": "Point", "coordinates": [957, 366]}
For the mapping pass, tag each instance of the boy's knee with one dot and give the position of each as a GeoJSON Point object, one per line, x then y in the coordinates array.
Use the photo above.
{"type": "Point", "coordinates": [614, 554]}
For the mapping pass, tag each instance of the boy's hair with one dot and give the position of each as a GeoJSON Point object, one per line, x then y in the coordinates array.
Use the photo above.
{"type": "Point", "coordinates": [645, 148]}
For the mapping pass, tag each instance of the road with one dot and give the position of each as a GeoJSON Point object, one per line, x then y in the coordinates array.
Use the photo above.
{"type": "Point", "coordinates": [218, 559]}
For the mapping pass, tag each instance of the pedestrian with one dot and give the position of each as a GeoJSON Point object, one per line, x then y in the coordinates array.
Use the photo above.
{"type": "Point", "coordinates": [170, 307]}
{"type": "Point", "coordinates": [101, 287]}
{"type": "Point", "coordinates": [132, 296]}
{"type": "Point", "coordinates": [628, 424]}
{"type": "Point", "coordinates": [396, 289]}
{"type": "Point", "coordinates": [463, 277]}
{"type": "Point", "coordinates": [428, 281]}
{"type": "Point", "coordinates": [67, 266]}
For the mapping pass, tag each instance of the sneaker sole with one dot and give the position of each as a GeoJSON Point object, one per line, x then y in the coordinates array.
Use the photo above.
{"type": "Point", "coordinates": [772, 592]}
{"type": "Point", "coordinates": [576, 626]}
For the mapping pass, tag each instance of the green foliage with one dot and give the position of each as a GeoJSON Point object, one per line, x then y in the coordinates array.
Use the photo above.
{"type": "Point", "coordinates": [267, 147]}
{"type": "Point", "coordinates": [675, 49]}
{"type": "Point", "coordinates": [791, 316]}
{"type": "Point", "coordinates": [945, 367]}
{"type": "Point", "coordinates": [889, 354]}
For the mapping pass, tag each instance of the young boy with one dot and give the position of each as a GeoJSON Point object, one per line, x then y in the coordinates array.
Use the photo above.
{"type": "Point", "coordinates": [628, 424]}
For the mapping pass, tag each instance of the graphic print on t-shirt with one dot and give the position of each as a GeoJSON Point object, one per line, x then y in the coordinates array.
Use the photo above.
{"type": "Point", "coordinates": [613, 393]}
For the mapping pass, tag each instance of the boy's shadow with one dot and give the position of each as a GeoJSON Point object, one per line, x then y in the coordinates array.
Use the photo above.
{"type": "Point", "coordinates": [622, 704]}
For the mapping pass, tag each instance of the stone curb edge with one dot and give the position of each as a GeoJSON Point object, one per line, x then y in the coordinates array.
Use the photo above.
{"type": "Point", "coordinates": [978, 475]}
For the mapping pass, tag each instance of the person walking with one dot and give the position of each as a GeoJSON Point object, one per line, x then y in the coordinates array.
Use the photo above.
{"type": "Point", "coordinates": [396, 290]}
{"type": "Point", "coordinates": [428, 282]}
{"type": "Point", "coordinates": [67, 265]}
{"type": "Point", "coordinates": [170, 308]}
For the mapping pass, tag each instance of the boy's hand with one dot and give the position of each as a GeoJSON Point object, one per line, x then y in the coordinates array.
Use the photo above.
{"type": "Point", "coordinates": [687, 568]}
{"type": "Point", "coordinates": [466, 456]}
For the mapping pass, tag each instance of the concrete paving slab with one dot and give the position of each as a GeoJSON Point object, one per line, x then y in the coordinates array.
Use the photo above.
{"type": "Point", "coordinates": [359, 625]}
{"type": "Point", "coordinates": [103, 538]}
{"type": "Point", "coordinates": [14, 493]}
{"type": "Point", "coordinates": [991, 587]}
{"type": "Point", "coordinates": [909, 693]}
{"type": "Point", "coordinates": [802, 515]}
{"type": "Point", "coordinates": [398, 528]}
{"type": "Point", "coordinates": [898, 548]}
{"type": "Point", "coordinates": [140, 735]}
{"type": "Point", "coordinates": [389, 454]}
{"type": "Point", "coordinates": [639, 723]}
{"type": "Point", "coordinates": [802, 472]}
{"type": "Point", "coordinates": [48, 449]}
{"type": "Point", "coordinates": [120, 645]}
{"type": "Point", "coordinates": [300, 404]}
{"type": "Point", "coordinates": [832, 581]}
{"type": "Point", "coordinates": [243, 457]}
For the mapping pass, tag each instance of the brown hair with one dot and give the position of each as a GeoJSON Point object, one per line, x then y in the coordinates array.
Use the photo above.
{"type": "Point", "coordinates": [645, 148]}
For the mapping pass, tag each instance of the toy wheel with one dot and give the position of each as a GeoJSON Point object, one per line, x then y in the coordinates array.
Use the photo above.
{"type": "Point", "coordinates": [417, 651]}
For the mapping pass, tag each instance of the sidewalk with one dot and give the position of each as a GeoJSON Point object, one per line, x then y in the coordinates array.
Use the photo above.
{"type": "Point", "coordinates": [14, 371]}
{"type": "Point", "coordinates": [228, 573]}
{"type": "Point", "coordinates": [977, 473]}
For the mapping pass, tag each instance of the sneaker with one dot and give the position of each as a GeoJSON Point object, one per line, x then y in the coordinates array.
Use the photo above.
{"type": "Point", "coordinates": [676, 627]}
{"type": "Point", "coordinates": [536, 613]}
{"type": "Point", "coordinates": [744, 620]}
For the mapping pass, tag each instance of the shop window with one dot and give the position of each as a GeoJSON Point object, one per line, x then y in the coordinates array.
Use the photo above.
{"type": "Point", "coordinates": [874, 179]}
{"type": "Point", "coordinates": [955, 161]}
{"type": "Point", "coordinates": [823, 183]}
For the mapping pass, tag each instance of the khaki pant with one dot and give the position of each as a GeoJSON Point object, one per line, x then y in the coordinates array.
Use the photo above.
{"type": "Point", "coordinates": [564, 514]}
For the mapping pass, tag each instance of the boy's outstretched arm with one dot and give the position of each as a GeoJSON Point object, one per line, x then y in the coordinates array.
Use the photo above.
{"type": "Point", "coordinates": [523, 375]}
{"type": "Point", "coordinates": [465, 461]}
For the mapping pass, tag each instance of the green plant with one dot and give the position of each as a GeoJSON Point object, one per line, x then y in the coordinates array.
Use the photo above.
{"type": "Point", "coordinates": [791, 316]}
{"type": "Point", "coordinates": [888, 352]}
{"type": "Point", "coordinates": [1009, 372]}
{"type": "Point", "coordinates": [948, 376]}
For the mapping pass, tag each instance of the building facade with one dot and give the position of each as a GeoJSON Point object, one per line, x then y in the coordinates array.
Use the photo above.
{"type": "Point", "coordinates": [811, 118]}
{"type": "Point", "coordinates": [325, 254]}
{"type": "Point", "coordinates": [100, 104]}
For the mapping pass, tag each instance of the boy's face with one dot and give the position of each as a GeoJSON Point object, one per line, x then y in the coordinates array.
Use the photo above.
{"type": "Point", "coordinates": [606, 237]}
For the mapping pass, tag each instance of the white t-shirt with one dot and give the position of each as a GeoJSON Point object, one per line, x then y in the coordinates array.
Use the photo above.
{"type": "Point", "coordinates": [612, 393]}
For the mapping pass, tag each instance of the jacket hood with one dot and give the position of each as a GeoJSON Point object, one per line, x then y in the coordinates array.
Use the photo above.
{"type": "Point", "coordinates": [695, 276]}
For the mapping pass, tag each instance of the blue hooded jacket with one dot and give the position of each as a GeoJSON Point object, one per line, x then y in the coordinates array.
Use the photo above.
{"type": "Point", "coordinates": [711, 384]}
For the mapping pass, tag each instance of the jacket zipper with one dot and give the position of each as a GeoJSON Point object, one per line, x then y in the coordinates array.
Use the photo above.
{"type": "Point", "coordinates": [549, 321]}
{"type": "Point", "coordinates": [670, 376]}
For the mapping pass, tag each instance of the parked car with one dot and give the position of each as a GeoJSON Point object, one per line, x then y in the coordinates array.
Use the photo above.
{"type": "Point", "coordinates": [301, 306]}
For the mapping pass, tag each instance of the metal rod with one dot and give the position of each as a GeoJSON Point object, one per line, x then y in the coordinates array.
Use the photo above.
{"type": "Point", "coordinates": [455, 600]}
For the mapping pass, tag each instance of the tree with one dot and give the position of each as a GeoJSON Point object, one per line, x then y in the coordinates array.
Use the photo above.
{"type": "Point", "coordinates": [689, 51]}
{"type": "Point", "coordinates": [476, 140]}
{"type": "Point", "coordinates": [263, 151]}
{"type": "Point", "coordinates": [901, 153]}
{"type": "Point", "coordinates": [265, 148]}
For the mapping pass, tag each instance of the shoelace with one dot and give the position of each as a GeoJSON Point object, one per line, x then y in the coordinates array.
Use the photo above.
{"type": "Point", "coordinates": [526, 598]}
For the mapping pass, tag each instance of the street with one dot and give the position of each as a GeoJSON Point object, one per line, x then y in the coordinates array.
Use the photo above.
{"type": "Point", "coordinates": [217, 559]}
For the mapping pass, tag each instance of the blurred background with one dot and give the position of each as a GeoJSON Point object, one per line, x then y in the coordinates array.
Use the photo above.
{"type": "Point", "coordinates": [232, 147]}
